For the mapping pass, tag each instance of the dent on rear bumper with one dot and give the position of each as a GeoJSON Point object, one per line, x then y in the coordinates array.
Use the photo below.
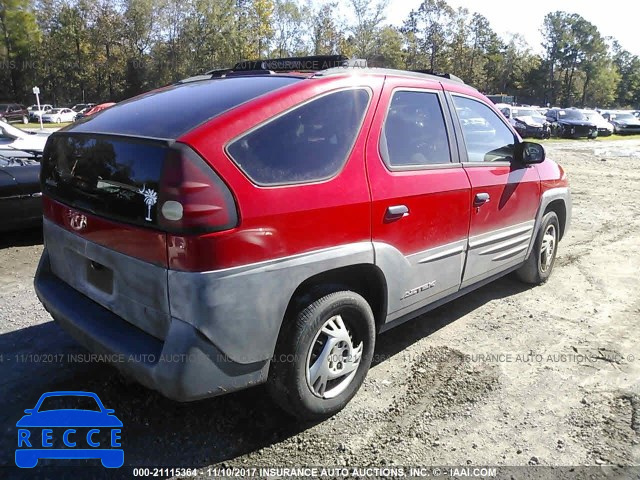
{"type": "Point", "coordinates": [185, 366]}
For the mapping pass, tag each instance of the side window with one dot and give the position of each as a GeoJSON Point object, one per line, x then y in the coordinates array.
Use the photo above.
{"type": "Point", "coordinates": [309, 143]}
{"type": "Point", "coordinates": [487, 138]}
{"type": "Point", "coordinates": [414, 132]}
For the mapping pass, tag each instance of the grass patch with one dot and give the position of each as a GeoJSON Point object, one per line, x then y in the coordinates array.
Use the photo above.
{"type": "Point", "coordinates": [44, 124]}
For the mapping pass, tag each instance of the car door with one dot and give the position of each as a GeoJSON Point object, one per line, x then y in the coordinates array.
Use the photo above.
{"type": "Point", "coordinates": [505, 194]}
{"type": "Point", "coordinates": [420, 195]}
{"type": "Point", "coordinates": [28, 179]}
{"type": "Point", "coordinates": [10, 200]}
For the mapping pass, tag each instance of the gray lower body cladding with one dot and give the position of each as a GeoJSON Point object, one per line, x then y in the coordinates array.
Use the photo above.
{"type": "Point", "coordinates": [185, 366]}
{"type": "Point", "coordinates": [188, 335]}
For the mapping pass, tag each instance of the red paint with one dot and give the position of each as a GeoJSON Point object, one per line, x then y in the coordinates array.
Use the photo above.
{"type": "Point", "coordinates": [142, 243]}
{"type": "Point", "coordinates": [438, 199]}
{"type": "Point", "coordinates": [279, 221]}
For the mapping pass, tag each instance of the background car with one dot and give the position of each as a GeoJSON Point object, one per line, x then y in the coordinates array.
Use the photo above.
{"type": "Point", "coordinates": [59, 115]}
{"type": "Point", "coordinates": [13, 138]}
{"type": "Point", "coordinates": [20, 194]}
{"type": "Point", "coordinates": [527, 121]}
{"type": "Point", "coordinates": [624, 123]}
{"type": "Point", "coordinates": [82, 107]}
{"type": "Point", "coordinates": [604, 127]}
{"type": "Point", "coordinates": [35, 113]}
{"type": "Point", "coordinates": [13, 112]}
{"type": "Point", "coordinates": [571, 123]}
{"type": "Point", "coordinates": [94, 110]}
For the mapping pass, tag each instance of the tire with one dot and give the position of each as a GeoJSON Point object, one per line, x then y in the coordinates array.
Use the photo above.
{"type": "Point", "coordinates": [58, 120]}
{"type": "Point", "coordinates": [25, 120]}
{"type": "Point", "coordinates": [306, 348]}
{"type": "Point", "coordinates": [538, 267]}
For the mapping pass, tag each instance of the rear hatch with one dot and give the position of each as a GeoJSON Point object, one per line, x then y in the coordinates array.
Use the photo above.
{"type": "Point", "coordinates": [118, 188]}
{"type": "Point", "coordinates": [101, 228]}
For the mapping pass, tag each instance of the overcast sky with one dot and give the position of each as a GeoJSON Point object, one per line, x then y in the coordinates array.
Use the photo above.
{"type": "Point", "coordinates": [618, 19]}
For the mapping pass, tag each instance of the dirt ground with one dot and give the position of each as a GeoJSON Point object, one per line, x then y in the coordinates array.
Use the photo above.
{"type": "Point", "coordinates": [508, 375]}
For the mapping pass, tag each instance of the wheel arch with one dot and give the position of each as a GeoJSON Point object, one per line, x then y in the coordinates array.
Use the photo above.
{"type": "Point", "coordinates": [560, 209]}
{"type": "Point", "coordinates": [364, 279]}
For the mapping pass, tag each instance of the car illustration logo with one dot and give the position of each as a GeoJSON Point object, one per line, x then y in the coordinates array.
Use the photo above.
{"type": "Point", "coordinates": [77, 220]}
{"type": "Point", "coordinates": [52, 430]}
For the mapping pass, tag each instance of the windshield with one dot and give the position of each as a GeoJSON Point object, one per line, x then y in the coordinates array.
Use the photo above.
{"type": "Point", "coordinates": [594, 116]}
{"type": "Point", "coordinates": [571, 115]}
{"type": "Point", "coordinates": [56, 110]}
{"type": "Point", "coordinates": [67, 402]}
{"type": "Point", "coordinates": [623, 116]}
{"type": "Point", "coordinates": [526, 112]}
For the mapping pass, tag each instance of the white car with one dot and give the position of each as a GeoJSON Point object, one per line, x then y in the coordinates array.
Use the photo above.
{"type": "Point", "coordinates": [35, 113]}
{"type": "Point", "coordinates": [13, 139]}
{"type": "Point", "coordinates": [604, 127]}
{"type": "Point", "coordinates": [58, 115]}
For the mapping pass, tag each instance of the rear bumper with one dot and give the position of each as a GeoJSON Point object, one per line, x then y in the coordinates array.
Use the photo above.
{"type": "Point", "coordinates": [185, 366]}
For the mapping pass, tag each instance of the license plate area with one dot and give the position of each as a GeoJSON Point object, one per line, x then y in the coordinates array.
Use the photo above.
{"type": "Point", "coordinates": [99, 276]}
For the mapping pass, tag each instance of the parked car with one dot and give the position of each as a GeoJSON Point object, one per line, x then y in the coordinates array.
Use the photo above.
{"type": "Point", "coordinates": [59, 115]}
{"type": "Point", "coordinates": [13, 112]}
{"type": "Point", "coordinates": [20, 193]}
{"type": "Point", "coordinates": [624, 123]}
{"type": "Point", "coordinates": [571, 123]}
{"type": "Point", "coordinates": [527, 121]}
{"type": "Point", "coordinates": [12, 139]}
{"type": "Point", "coordinates": [605, 129]}
{"type": "Point", "coordinates": [82, 107]}
{"type": "Point", "coordinates": [35, 113]}
{"type": "Point", "coordinates": [94, 110]}
{"type": "Point", "coordinates": [275, 226]}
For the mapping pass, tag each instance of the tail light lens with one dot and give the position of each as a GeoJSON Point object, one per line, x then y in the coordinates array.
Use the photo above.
{"type": "Point", "coordinates": [193, 199]}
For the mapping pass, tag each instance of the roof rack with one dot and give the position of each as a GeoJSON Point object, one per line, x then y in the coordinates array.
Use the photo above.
{"type": "Point", "coordinates": [298, 64]}
{"type": "Point", "coordinates": [448, 76]}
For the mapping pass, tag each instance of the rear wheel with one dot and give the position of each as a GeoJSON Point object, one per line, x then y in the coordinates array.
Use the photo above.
{"type": "Point", "coordinates": [322, 359]}
{"type": "Point", "coordinates": [25, 120]}
{"type": "Point", "coordinates": [537, 269]}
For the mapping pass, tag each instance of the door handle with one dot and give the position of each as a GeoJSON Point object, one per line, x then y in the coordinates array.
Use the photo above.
{"type": "Point", "coordinates": [481, 199]}
{"type": "Point", "coordinates": [396, 212]}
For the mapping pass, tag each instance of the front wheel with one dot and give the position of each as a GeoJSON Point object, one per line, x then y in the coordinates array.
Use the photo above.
{"type": "Point", "coordinates": [58, 120]}
{"type": "Point", "coordinates": [322, 359]}
{"type": "Point", "coordinates": [537, 268]}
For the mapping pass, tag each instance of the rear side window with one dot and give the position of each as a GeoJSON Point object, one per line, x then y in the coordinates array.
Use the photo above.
{"type": "Point", "coordinates": [309, 143]}
{"type": "Point", "coordinates": [414, 131]}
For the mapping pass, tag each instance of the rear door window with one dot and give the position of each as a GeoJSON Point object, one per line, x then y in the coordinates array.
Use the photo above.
{"type": "Point", "coordinates": [311, 142]}
{"type": "Point", "coordinates": [414, 132]}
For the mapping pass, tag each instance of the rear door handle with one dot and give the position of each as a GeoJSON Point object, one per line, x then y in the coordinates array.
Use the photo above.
{"type": "Point", "coordinates": [481, 199]}
{"type": "Point", "coordinates": [396, 212]}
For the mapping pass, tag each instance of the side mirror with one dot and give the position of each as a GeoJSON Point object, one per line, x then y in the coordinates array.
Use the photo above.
{"type": "Point", "coordinates": [529, 153]}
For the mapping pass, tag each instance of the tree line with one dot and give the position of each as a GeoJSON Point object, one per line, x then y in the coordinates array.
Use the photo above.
{"type": "Point", "coordinates": [109, 50]}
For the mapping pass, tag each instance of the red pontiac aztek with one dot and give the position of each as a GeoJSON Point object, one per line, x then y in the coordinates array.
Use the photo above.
{"type": "Point", "coordinates": [265, 227]}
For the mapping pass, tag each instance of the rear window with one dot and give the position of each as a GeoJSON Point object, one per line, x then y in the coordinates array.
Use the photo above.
{"type": "Point", "coordinates": [173, 111]}
{"type": "Point", "coordinates": [112, 177]}
{"type": "Point", "coordinates": [308, 143]}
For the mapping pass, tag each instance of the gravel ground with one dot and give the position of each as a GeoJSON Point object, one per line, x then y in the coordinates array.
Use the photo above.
{"type": "Point", "coordinates": [508, 375]}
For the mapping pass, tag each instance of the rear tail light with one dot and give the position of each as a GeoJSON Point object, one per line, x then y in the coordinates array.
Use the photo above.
{"type": "Point", "coordinates": [192, 197]}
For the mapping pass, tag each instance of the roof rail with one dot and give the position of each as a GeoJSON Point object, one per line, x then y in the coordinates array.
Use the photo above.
{"type": "Point", "coordinates": [300, 64]}
{"type": "Point", "coordinates": [448, 76]}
